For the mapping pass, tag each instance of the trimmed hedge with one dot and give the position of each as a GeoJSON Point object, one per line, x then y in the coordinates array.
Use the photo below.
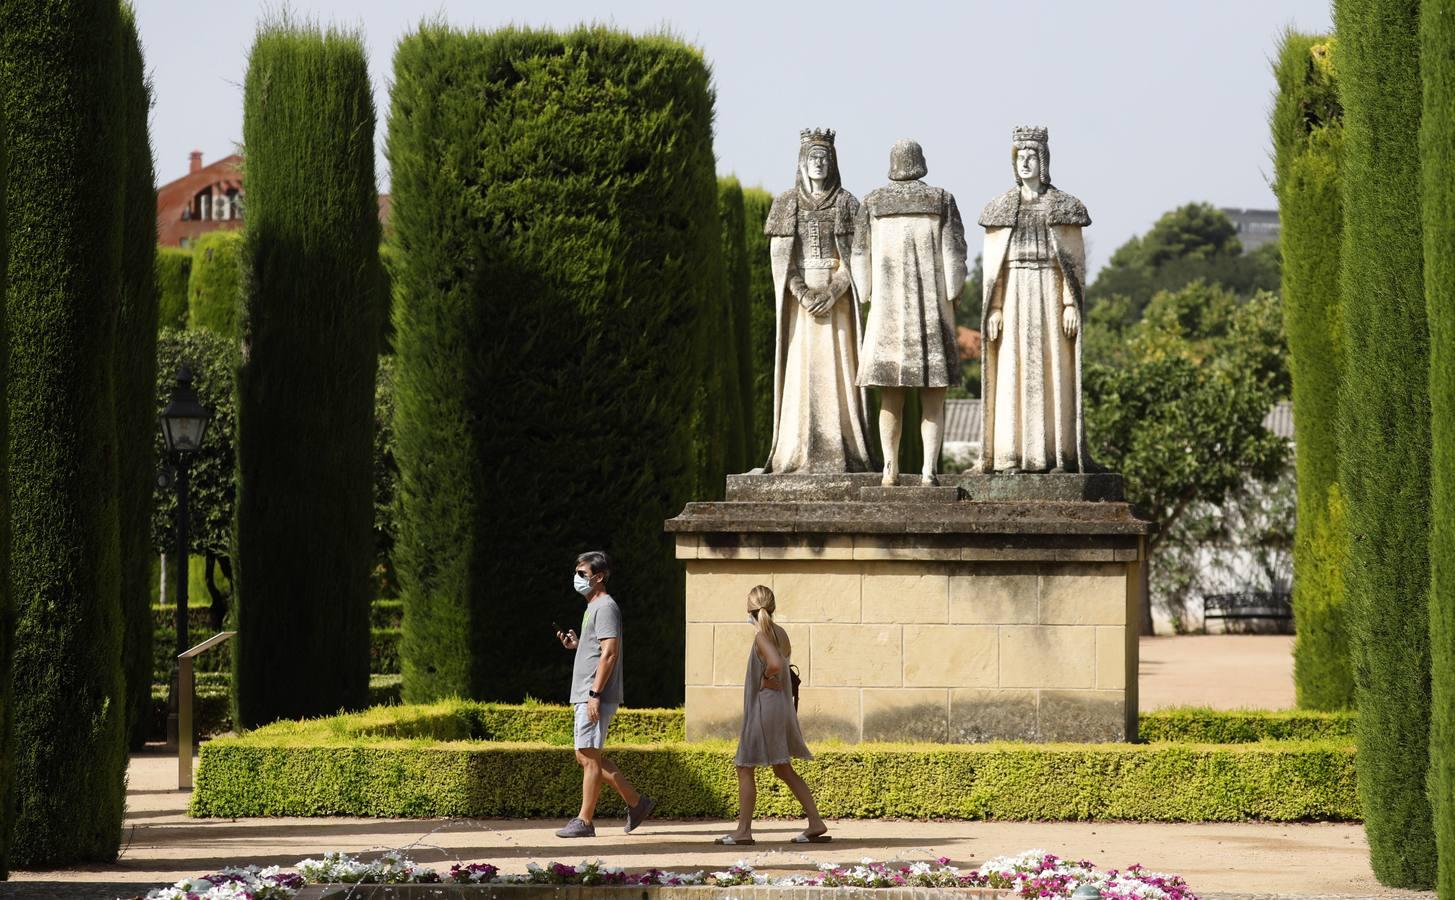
{"type": "Point", "coordinates": [135, 372]}
{"type": "Point", "coordinates": [574, 169]}
{"type": "Point", "coordinates": [212, 704]}
{"type": "Point", "coordinates": [305, 494]}
{"type": "Point", "coordinates": [267, 775]}
{"type": "Point", "coordinates": [762, 318]}
{"type": "Point", "coordinates": [1437, 203]}
{"type": "Point", "coordinates": [174, 270]}
{"type": "Point", "coordinates": [1308, 137]}
{"type": "Point", "coordinates": [64, 110]}
{"type": "Point", "coordinates": [730, 344]}
{"type": "Point", "coordinates": [1384, 430]}
{"type": "Point", "coordinates": [1198, 725]}
{"type": "Point", "coordinates": [215, 283]}
{"type": "Point", "coordinates": [7, 615]}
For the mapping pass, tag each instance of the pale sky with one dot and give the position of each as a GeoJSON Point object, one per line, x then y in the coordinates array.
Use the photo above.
{"type": "Point", "coordinates": [1150, 103]}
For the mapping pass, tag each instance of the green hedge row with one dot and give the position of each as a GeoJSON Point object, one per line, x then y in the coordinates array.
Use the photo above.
{"type": "Point", "coordinates": [1308, 140]}
{"type": "Point", "coordinates": [1384, 430]}
{"type": "Point", "coordinates": [305, 392]}
{"type": "Point", "coordinates": [575, 169]}
{"type": "Point", "coordinates": [65, 121]}
{"type": "Point", "coordinates": [215, 284]}
{"type": "Point", "coordinates": [1437, 203]}
{"type": "Point", "coordinates": [260, 775]}
{"type": "Point", "coordinates": [174, 271]}
{"type": "Point", "coordinates": [212, 706]}
{"type": "Point", "coordinates": [1198, 725]}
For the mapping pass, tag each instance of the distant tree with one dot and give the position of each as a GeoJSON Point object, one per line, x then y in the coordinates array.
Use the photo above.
{"type": "Point", "coordinates": [1180, 412]}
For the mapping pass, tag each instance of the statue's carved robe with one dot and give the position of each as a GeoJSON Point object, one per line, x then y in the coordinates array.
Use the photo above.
{"type": "Point", "coordinates": [819, 419]}
{"type": "Point", "coordinates": [909, 260]}
{"type": "Point", "coordinates": [1035, 267]}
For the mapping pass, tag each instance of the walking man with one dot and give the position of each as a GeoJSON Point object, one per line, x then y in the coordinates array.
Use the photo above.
{"type": "Point", "coordinates": [595, 695]}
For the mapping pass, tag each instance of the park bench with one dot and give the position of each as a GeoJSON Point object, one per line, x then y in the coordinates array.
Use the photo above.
{"type": "Point", "coordinates": [1248, 605]}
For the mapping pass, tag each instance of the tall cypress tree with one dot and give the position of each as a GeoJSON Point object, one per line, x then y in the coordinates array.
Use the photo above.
{"type": "Point", "coordinates": [305, 502]}
{"type": "Point", "coordinates": [64, 111]}
{"type": "Point", "coordinates": [733, 344]}
{"type": "Point", "coordinates": [1384, 430]}
{"type": "Point", "coordinates": [7, 617]}
{"type": "Point", "coordinates": [1308, 138]}
{"type": "Point", "coordinates": [136, 369]}
{"type": "Point", "coordinates": [575, 169]}
{"type": "Point", "coordinates": [762, 318]}
{"type": "Point", "coordinates": [1437, 163]}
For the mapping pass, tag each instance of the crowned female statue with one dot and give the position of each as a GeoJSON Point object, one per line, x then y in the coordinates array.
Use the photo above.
{"type": "Point", "coordinates": [818, 413]}
{"type": "Point", "coordinates": [1035, 266]}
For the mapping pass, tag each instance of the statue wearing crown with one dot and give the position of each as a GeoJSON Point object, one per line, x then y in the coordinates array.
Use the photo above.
{"type": "Point", "coordinates": [819, 424]}
{"type": "Point", "coordinates": [1035, 269]}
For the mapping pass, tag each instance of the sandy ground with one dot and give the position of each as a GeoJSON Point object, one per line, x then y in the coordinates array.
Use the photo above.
{"type": "Point", "coordinates": [162, 844]}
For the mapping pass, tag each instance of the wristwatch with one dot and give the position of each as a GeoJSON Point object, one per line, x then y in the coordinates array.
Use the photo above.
{"type": "Point", "coordinates": [592, 694]}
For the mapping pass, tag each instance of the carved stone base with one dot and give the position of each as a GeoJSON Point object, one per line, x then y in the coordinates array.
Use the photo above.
{"type": "Point", "coordinates": [922, 613]}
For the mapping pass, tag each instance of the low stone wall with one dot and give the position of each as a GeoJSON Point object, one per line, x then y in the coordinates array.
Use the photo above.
{"type": "Point", "coordinates": [557, 892]}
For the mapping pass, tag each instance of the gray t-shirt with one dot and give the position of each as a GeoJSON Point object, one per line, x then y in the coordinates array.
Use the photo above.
{"type": "Point", "coordinates": [602, 620]}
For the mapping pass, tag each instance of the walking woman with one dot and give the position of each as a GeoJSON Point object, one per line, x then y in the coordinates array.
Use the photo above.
{"type": "Point", "coordinates": [771, 736]}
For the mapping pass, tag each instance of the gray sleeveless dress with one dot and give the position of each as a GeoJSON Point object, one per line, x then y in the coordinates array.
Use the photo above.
{"type": "Point", "coordinates": [771, 735]}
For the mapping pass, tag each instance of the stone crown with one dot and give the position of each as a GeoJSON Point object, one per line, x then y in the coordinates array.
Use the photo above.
{"type": "Point", "coordinates": [1030, 133]}
{"type": "Point", "coordinates": [816, 136]}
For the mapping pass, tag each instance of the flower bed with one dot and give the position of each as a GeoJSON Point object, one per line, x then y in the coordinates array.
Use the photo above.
{"type": "Point", "coordinates": [1032, 874]}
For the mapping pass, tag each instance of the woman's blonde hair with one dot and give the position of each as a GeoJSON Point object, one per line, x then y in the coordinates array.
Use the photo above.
{"type": "Point", "coordinates": [761, 600]}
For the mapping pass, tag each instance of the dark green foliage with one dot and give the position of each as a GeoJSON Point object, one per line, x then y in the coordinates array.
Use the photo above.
{"type": "Point", "coordinates": [1195, 725]}
{"type": "Point", "coordinates": [576, 170]}
{"type": "Point", "coordinates": [386, 482]}
{"type": "Point", "coordinates": [7, 615]}
{"type": "Point", "coordinates": [1384, 430]}
{"type": "Point", "coordinates": [733, 345]}
{"type": "Point", "coordinates": [174, 269]}
{"type": "Point", "coordinates": [135, 373]}
{"type": "Point", "coordinates": [305, 498]}
{"type": "Point", "coordinates": [212, 707]}
{"type": "Point", "coordinates": [413, 761]}
{"type": "Point", "coordinates": [1194, 242]}
{"type": "Point", "coordinates": [1308, 135]}
{"type": "Point", "coordinates": [762, 318]}
{"type": "Point", "coordinates": [215, 284]}
{"type": "Point", "coordinates": [213, 361]}
{"type": "Point", "coordinates": [64, 113]}
{"type": "Point", "coordinates": [388, 259]}
{"type": "Point", "coordinates": [1180, 410]}
{"type": "Point", "coordinates": [1437, 161]}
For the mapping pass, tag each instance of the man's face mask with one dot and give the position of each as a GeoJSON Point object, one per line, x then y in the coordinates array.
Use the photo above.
{"type": "Point", "coordinates": [582, 584]}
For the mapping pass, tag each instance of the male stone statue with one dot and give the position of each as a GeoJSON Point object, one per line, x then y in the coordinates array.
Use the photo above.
{"type": "Point", "coordinates": [909, 266]}
{"type": "Point", "coordinates": [1035, 266]}
{"type": "Point", "coordinates": [819, 423]}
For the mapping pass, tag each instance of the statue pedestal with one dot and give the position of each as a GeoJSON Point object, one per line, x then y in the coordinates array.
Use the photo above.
{"type": "Point", "coordinates": [991, 607]}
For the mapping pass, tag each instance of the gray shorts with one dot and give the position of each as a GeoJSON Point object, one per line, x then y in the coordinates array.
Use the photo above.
{"type": "Point", "coordinates": [592, 735]}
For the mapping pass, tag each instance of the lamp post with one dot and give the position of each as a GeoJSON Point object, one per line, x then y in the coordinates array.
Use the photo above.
{"type": "Point", "coordinates": [184, 423]}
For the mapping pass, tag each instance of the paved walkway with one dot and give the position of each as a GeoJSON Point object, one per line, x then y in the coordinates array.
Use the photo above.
{"type": "Point", "coordinates": [1325, 860]}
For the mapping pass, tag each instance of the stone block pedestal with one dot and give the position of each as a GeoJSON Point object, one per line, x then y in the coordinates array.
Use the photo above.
{"type": "Point", "coordinates": [922, 613]}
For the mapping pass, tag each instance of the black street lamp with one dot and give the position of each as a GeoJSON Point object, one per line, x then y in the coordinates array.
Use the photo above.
{"type": "Point", "coordinates": [184, 423]}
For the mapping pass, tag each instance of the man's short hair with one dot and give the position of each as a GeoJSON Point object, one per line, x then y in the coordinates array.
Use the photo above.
{"type": "Point", "coordinates": [599, 562]}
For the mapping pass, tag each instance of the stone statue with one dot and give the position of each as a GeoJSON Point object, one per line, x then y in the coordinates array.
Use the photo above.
{"type": "Point", "coordinates": [819, 423]}
{"type": "Point", "coordinates": [1035, 266]}
{"type": "Point", "coordinates": [909, 265]}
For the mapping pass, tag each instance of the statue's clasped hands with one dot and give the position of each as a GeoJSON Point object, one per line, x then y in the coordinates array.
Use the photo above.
{"type": "Point", "coordinates": [817, 302]}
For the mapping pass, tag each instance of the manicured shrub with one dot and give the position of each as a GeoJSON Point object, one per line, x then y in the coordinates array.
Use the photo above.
{"type": "Point", "coordinates": [762, 318]}
{"type": "Point", "coordinates": [136, 372]}
{"type": "Point", "coordinates": [732, 343]}
{"type": "Point", "coordinates": [1308, 136]}
{"type": "Point", "coordinates": [273, 773]}
{"type": "Point", "coordinates": [174, 269]}
{"type": "Point", "coordinates": [1217, 726]}
{"type": "Point", "coordinates": [7, 616]}
{"type": "Point", "coordinates": [305, 498]}
{"type": "Point", "coordinates": [1384, 430]}
{"type": "Point", "coordinates": [576, 170]}
{"type": "Point", "coordinates": [215, 285]}
{"type": "Point", "coordinates": [1437, 204]}
{"type": "Point", "coordinates": [64, 112]}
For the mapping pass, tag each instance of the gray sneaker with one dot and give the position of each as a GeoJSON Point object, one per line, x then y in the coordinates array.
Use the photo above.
{"type": "Point", "coordinates": [577, 828]}
{"type": "Point", "coordinates": [636, 815]}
